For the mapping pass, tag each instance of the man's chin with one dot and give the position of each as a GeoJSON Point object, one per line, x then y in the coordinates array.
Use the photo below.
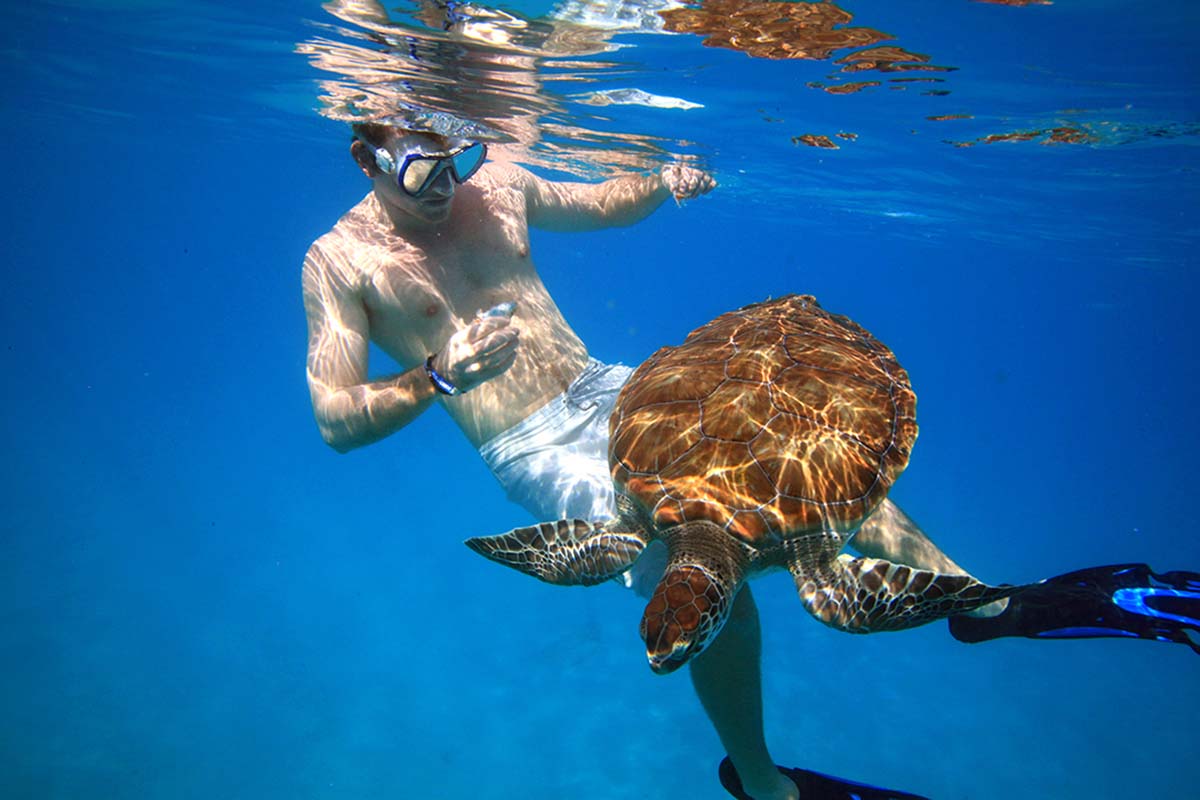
{"type": "Point", "coordinates": [436, 211]}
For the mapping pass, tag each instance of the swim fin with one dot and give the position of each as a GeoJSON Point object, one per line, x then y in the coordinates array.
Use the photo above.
{"type": "Point", "coordinates": [1123, 600]}
{"type": "Point", "coordinates": [814, 786]}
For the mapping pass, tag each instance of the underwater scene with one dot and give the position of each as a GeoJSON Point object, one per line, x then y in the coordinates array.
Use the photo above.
{"type": "Point", "coordinates": [234, 561]}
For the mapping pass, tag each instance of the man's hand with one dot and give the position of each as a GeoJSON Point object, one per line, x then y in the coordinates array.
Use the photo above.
{"type": "Point", "coordinates": [685, 183]}
{"type": "Point", "coordinates": [477, 353]}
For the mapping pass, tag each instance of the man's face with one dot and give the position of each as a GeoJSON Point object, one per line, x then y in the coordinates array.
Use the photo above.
{"type": "Point", "coordinates": [433, 204]}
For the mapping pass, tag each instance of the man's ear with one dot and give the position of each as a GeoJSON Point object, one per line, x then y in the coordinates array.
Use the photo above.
{"type": "Point", "coordinates": [364, 158]}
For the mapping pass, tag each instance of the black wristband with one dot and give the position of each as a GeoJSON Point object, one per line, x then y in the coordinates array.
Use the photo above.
{"type": "Point", "coordinates": [441, 384]}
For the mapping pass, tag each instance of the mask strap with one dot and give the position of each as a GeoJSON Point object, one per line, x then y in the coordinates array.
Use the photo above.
{"type": "Point", "coordinates": [384, 160]}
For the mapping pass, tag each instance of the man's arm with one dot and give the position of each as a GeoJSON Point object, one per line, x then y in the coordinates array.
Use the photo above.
{"type": "Point", "coordinates": [351, 411]}
{"type": "Point", "coordinates": [620, 201]}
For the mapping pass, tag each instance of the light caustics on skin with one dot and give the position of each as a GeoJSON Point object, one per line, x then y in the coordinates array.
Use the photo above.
{"type": "Point", "coordinates": [363, 268]}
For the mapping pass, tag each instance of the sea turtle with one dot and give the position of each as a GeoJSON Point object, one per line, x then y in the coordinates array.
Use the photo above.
{"type": "Point", "coordinates": [763, 441]}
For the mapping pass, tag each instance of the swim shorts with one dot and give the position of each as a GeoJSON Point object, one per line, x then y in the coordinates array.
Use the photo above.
{"type": "Point", "coordinates": [554, 463]}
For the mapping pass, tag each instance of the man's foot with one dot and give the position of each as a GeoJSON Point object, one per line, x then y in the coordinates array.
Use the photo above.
{"type": "Point", "coordinates": [1124, 600]}
{"type": "Point", "coordinates": [814, 786]}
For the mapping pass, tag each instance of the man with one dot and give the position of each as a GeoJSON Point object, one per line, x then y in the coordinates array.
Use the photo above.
{"type": "Point", "coordinates": [433, 266]}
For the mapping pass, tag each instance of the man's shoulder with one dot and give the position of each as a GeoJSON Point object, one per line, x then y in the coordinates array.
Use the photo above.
{"type": "Point", "coordinates": [342, 253]}
{"type": "Point", "coordinates": [349, 233]}
{"type": "Point", "coordinates": [328, 244]}
{"type": "Point", "coordinates": [324, 255]}
{"type": "Point", "coordinates": [502, 173]}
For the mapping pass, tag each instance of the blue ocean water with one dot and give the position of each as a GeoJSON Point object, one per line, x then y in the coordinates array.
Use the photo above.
{"type": "Point", "coordinates": [199, 599]}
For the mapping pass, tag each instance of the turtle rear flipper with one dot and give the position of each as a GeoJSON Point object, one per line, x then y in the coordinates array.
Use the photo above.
{"type": "Point", "coordinates": [867, 595]}
{"type": "Point", "coordinates": [569, 552]}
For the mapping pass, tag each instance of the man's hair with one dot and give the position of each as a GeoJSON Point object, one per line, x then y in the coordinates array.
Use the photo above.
{"type": "Point", "coordinates": [380, 134]}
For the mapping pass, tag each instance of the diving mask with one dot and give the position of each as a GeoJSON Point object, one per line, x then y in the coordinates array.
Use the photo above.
{"type": "Point", "coordinates": [417, 172]}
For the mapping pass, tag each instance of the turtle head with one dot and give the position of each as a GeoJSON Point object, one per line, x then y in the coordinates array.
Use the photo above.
{"type": "Point", "coordinates": [688, 609]}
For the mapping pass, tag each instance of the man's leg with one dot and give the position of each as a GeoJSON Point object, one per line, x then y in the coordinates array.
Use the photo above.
{"type": "Point", "coordinates": [891, 534]}
{"type": "Point", "coordinates": [727, 677]}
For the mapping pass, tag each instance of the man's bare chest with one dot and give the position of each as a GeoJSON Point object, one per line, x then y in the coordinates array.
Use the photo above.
{"type": "Point", "coordinates": [418, 295]}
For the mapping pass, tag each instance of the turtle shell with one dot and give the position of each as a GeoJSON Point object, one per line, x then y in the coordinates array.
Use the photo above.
{"type": "Point", "coordinates": [774, 421]}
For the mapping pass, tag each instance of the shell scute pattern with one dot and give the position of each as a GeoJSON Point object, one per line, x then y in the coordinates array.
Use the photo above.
{"type": "Point", "coordinates": [677, 381]}
{"type": "Point", "coordinates": [661, 433]}
{"type": "Point", "coordinates": [735, 411]}
{"type": "Point", "coordinates": [729, 465]}
{"type": "Point", "coordinates": [775, 421]}
{"type": "Point", "coordinates": [753, 366]}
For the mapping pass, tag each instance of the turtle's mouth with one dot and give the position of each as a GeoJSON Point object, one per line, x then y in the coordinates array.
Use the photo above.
{"type": "Point", "coordinates": [667, 646]}
{"type": "Point", "coordinates": [664, 663]}
{"type": "Point", "coordinates": [665, 666]}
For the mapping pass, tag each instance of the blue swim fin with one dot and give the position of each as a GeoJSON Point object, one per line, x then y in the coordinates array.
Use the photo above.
{"type": "Point", "coordinates": [814, 786]}
{"type": "Point", "coordinates": [1123, 600]}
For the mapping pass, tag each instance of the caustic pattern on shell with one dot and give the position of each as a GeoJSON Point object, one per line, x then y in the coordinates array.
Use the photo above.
{"type": "Point", "coordinates": [775, 420]}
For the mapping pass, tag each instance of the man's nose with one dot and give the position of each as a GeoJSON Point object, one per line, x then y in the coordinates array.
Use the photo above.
{"type": "Point", "coordinates": [443, 180]}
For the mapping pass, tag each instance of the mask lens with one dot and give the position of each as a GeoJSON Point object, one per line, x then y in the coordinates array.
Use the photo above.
{"type": "Point", "coordinates": [468, 160]}
{"type": "Point", "coordinates": [417, 174]}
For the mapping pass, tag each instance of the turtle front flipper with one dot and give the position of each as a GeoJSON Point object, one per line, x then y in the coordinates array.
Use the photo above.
{"type": "Point", "coordinates": [868, 595]}
{"type": "Point", "coordinates": [569, 552]}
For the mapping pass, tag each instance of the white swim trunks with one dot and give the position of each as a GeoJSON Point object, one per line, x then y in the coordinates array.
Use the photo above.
{"type": "Point", "coordinates": [554, 463]}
